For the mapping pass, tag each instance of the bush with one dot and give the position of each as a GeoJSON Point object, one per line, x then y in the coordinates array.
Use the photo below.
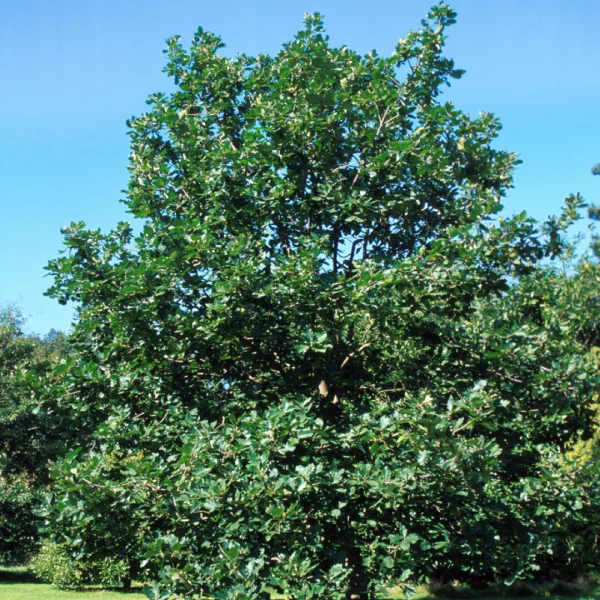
{"type": "Point", "coordinates": [54, 565]}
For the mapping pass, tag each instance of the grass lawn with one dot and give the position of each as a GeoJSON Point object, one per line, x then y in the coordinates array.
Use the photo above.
{"type": "Point", "coordinates": [18, 583]}
{"type": "Point", "coordinates": [41, 591]}
{"type": "Point", "coordinates": [33, 591]}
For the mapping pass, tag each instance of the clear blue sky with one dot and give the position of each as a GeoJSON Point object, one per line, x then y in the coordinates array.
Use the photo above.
{"type": "Point", "coordinates": [72, 72]}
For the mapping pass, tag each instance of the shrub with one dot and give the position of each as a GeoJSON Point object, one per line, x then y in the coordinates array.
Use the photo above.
{"type": "Point", "coordinates": [54, 565]}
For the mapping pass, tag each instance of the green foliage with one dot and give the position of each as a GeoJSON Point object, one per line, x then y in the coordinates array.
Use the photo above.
{"type": "Point", "coordinates": [580, 297]}
{"type": "Point", "coordinates": [325, 364]}
{"type": "Point", "coordinates": [29, 438]}
{"type": "Point", "coordinates": [26, 363]}
{"type": "Point", "coordinates": [101, 517]}
{"type": "Point", "coordinates": [18, 524]}
{"type": "Point", "coordinates": [54, 565]}
{"type": "Point", "coordinates": [581, 294]}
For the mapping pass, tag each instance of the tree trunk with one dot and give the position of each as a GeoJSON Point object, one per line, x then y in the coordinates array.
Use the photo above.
{"type": "Point", "coordinates": [358, 588]}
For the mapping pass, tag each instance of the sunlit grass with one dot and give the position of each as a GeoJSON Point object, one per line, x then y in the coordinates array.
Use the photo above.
{"type": "Point", "coordinates": [18, 583]}
{"type": "Point", "coordinates": [33, 591]}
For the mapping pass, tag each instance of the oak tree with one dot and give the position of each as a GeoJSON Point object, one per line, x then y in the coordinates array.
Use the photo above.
{"type": "Point", "coordinates": [296, 373]}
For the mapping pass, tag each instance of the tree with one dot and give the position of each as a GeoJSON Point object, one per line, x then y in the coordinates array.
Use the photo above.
{"type": "Point", "coordinates": [29, 438]}
{"type": "Point", "coordinates": [579, 293]}
{"type": "Point", "coordinates": [579, 296]}
{"type": "Point", "coordinates": [301, 374]}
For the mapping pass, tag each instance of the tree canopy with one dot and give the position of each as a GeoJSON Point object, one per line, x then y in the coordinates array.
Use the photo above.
{"type": "Point", "coordinates": [326, 363]}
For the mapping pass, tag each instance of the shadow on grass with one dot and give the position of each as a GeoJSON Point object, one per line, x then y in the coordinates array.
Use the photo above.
{"type": "Point", "coordinates": [556, 590]}
{"type": "Point", "coordinates": [17, 575]}
{"type": "Point", "coordinates": [135, 589]}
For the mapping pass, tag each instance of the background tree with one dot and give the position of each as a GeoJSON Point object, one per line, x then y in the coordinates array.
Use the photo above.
{"type": "Point", "coordinates": [322, 366]}
{"type": "Point", "coordinates": [579, 295]}
{"type": "Point", "coordinates": [29, 438]}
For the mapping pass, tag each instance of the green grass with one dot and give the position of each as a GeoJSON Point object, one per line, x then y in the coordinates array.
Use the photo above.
{"type": "Point", "coordinates": [42, 591]}
{"type": "Point", "coordinates": [33, 591]}
{"type": "Point", "coordinates": [18, 583]}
